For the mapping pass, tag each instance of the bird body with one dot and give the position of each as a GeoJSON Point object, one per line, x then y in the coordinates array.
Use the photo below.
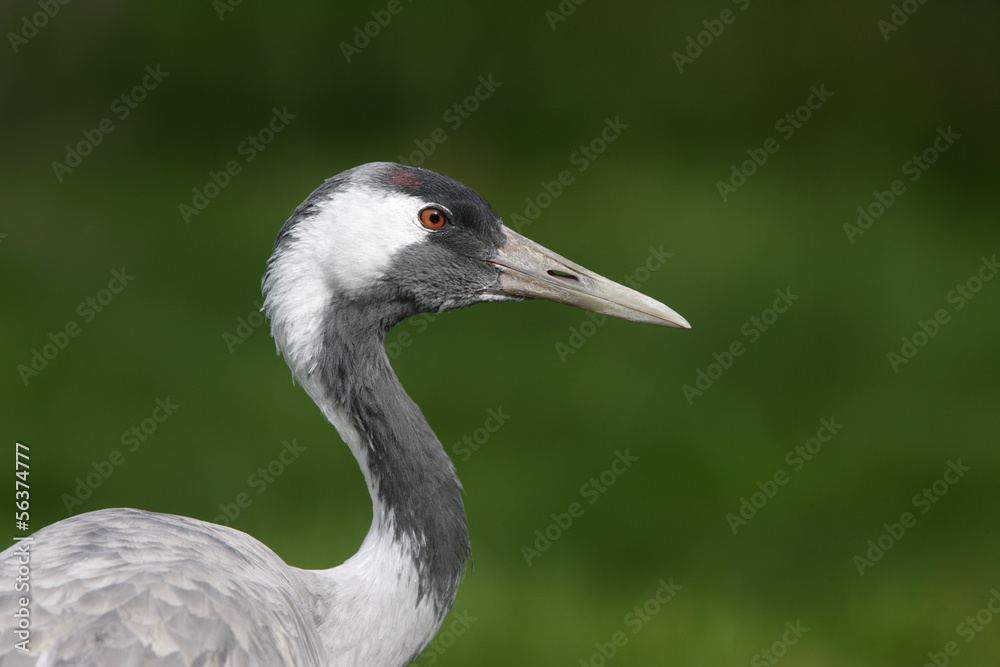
{"type": "Point", "coordinates": [129, 587]}
{"type": "Point", "coordinates": [370, 247]}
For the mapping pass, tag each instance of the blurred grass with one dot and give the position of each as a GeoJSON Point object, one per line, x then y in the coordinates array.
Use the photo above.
{"type": "Point", "coordinates": [655, 185]}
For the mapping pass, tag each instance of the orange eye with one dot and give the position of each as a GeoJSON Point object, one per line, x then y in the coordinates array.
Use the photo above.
{"type": "Point", "coordinates": [433, 218]}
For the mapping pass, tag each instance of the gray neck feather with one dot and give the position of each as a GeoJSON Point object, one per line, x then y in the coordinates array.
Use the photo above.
{"type": "Point", "coordinates": [411, 479]}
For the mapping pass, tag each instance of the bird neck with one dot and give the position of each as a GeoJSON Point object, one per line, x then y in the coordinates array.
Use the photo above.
{"type": "Point", "coordinates": [404, 578]}
{"type": "Point", "coordinates": [416, 495]}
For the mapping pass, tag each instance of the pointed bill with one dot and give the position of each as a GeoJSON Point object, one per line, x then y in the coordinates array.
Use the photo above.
{"type": "Point", "coordinates": [528, 269]}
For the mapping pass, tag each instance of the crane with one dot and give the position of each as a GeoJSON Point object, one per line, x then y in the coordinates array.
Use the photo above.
{"type": "Point", "coordinates": [368, 248]}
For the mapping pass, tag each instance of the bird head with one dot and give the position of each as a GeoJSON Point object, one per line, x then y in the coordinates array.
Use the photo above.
{"type": "Point", "coordinates": [411, 240]}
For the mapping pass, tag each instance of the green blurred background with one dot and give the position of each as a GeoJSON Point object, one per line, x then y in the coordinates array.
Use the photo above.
{"type": "Point", "coordinates": [169, 333]}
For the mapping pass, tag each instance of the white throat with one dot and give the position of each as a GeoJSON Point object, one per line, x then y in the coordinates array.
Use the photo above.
{"type": "Point", "coordinates": [369, 610]}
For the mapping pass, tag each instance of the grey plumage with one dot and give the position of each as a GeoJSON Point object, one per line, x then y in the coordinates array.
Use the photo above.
{"type": "Point", "coordinates": [127, 587]}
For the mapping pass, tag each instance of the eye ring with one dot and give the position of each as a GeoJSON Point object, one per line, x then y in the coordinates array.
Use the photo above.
{"type": "Point", "coordinates": [433, 217]}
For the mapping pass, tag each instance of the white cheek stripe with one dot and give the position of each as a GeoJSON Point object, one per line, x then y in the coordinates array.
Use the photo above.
{"type": "Point", "coordinates": [355, 248]}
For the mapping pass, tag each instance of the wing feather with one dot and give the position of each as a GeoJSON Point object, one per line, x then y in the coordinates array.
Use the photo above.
{"type": "Point", "coordinates": [126, 587]}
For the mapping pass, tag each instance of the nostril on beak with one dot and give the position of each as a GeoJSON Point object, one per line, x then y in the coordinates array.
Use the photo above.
{"type": "Point", "coordinates": [556, 273]}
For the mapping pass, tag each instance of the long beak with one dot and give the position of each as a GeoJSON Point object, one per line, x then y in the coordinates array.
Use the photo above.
{"type": "Point", "coordinates": [530, 270]}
